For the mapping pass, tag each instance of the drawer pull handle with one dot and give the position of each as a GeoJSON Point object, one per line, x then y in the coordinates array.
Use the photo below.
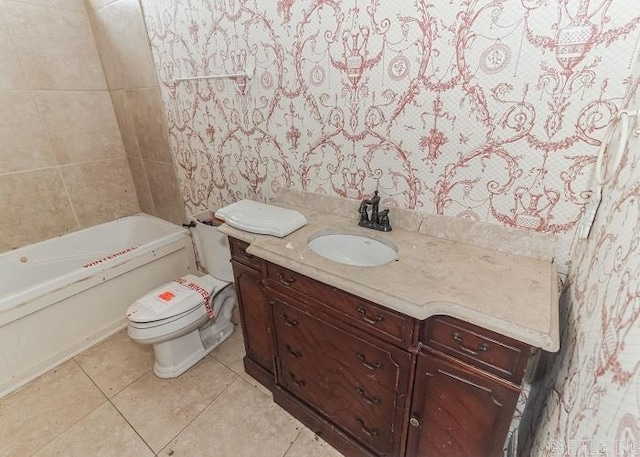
{"type": "Point", "coordinates": [367, 400]}
{"type": "Point", "coordinates": [367, 431]}
{"type": "Point", "coordinates": [290, 323]}
{"type": "Point", "coordinates": [482, 347]}
{"type": "Point", "coordinates": [414, 421]}
{"type": "Point", "coordinates": [273, 302]}
{"type": "Point", "coordinates": [299, 383]}
{"type": "Point", "coordinates": [367, 319]}
{"type": "Point", "coordinates": [285, 281]}
{"type": "Point", "coordinates": [292, 353]}
{"type": "Point", "coordinates": [371, 366]}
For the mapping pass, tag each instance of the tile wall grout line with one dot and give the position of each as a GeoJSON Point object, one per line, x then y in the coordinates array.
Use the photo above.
{"type": "Point", "coordinates": [66, 190]}
{"type": "Point", "coordinates": [3, 17]}
{"type": "Point", "coordinates": [60, 8]}
{"type": "Point", "coordinates": [50, 167]}
{"type": "Point", "coordinates": [30, 89]}
{"type": "Point", "coordinates": [91, 10]}
{"type": "Point", "coordinates": [49, 139]}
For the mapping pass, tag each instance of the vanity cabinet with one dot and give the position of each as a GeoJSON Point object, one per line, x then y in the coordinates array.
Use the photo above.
{"type": "Point", "coordinates": [372, 381]}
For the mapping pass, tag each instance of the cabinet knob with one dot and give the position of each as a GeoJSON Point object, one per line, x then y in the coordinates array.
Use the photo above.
{"type": "Point", "coordinates": [414, 421]}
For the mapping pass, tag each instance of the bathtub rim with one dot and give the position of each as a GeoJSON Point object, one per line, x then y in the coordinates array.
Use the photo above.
{"type": "Point", "coordinates": [75, 282]}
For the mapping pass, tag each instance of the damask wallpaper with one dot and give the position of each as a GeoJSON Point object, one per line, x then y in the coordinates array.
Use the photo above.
{"type": "Point", "coordinates": [590, 402]}
{"type": "Point", "coordinates": [486, 109]}
{"type": "Point", "coordinates": [491, 110]}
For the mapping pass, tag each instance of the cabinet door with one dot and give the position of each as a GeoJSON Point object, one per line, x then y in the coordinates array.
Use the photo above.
{"type": "Point", "coordinates": [457, 411]}
{"type": "Point", "coordinates": [359, 385]}
{"type": "Point", "coordinates": [255, 315]}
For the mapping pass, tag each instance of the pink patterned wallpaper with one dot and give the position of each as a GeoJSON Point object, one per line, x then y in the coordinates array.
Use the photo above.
{"type": "Point", "coordinates": [590, 403]}
{"type": "Point", "coordinates": [486, 109]}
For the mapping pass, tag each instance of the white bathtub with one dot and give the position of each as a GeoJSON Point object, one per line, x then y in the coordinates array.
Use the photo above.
{"type": "Point", "coordinates": [61, 296]}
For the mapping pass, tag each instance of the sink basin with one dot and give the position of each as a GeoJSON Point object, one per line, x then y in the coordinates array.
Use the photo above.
{"type": "Point", "coordinates": [357, 250]}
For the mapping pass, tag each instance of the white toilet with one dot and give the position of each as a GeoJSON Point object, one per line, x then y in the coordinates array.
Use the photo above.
{"type": "Point", "coordinates": [187, 318]}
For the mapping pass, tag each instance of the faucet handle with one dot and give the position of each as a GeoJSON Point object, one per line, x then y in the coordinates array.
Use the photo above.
{"type": "Point", "coordinates": [364, 216]}
{"type": "Point", "coordinates": [385, 224]}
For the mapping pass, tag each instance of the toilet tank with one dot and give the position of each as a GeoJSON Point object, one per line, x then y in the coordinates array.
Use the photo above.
{"type": "Point", "coordinates": [212, 246]}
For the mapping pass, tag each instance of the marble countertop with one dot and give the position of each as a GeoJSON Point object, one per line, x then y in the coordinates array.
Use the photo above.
{"type": "Point", "coordinates": [513, 295]}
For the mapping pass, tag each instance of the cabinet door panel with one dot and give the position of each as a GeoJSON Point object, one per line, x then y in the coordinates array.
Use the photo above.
{"type": "Point", "coordinates": [458, 412]}
{"type": "Point", "coordinates": [255, 315]}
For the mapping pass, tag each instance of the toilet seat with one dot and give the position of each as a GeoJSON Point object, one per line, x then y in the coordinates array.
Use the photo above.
{"type": "Point", "coordinates": [194, 313]}
{"type": "Point", "coordinates": [174, 299]}
{"type": "Point", "coordinates": [165, 330]}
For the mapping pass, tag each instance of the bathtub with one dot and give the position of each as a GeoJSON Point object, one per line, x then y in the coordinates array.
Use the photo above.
{"type": "Point", "coordinates": [61, 296]}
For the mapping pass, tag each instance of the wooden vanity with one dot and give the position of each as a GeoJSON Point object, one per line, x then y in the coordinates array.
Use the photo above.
{"type": "Point", "coordinates": [372, 381]}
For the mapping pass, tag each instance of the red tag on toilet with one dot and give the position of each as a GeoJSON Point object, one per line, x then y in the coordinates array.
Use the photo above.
{"type": "Point", "coordinates": [167, 296]}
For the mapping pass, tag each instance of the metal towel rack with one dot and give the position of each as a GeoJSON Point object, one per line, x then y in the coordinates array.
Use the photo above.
{"type": "Point", "coordinates": [247, 75]}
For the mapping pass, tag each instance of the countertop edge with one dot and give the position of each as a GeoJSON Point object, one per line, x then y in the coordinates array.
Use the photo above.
{"type": "Point", "coordinates": [419, 311]}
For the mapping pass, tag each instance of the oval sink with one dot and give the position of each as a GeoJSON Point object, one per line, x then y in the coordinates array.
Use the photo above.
{"type": "Point", "coordinates": [356, 250]}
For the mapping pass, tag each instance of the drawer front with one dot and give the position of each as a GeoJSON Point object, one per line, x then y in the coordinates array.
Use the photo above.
{"type": "Point", "coordinates": [239, 254]}
{"type": "Point", "coordinates": [351, 381]}
{"type": "Point", "coordinates": [384, 323]}
{"type": "Point", "coordinates": [482, 348]}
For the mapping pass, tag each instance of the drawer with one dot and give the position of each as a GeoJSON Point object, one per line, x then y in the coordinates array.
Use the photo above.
{"type": "Point", "coordinates": [487, 350]}
{"type": "Point", "coordinates": [239, 254]}
{"type": "Point", "coordinates": [391, 326]}
{"type": "Point", "coordinates": [319, 364]}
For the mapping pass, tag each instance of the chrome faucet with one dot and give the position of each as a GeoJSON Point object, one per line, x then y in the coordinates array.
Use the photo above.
{"type": "Point", "coordinates": [379, 220]}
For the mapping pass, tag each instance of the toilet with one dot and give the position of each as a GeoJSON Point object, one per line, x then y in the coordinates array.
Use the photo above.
{"type": "Point", "coordinates": [187, 318]}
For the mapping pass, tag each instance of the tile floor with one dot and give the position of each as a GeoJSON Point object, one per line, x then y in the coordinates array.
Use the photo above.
{"type": "Point", "coordinates": [108, 402]}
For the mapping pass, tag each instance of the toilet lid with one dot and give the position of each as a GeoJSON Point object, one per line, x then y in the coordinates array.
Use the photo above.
{"type": "Point", "coordinates": [174, 298]}
{"type": "Point", "coordinates": [256, 217]}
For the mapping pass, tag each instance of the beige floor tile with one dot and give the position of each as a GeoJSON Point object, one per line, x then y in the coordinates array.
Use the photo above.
{"type": "Point", "coordinates": [158, 409]}
{"type": "Point", "coordinates": [309, 444]}
{"type": "Point", "coordinates": [231, 352]}
{"type": "Point", "coordinates": [46, 407]}
{"type": "Point", "coordinates": [257, 385]}
{"type": "Point", "coordinates": [116, 362]}
{"type": "Point", "coordinates": [240, 422]}
{"type": "Point", "coordinates": [102, 433]}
